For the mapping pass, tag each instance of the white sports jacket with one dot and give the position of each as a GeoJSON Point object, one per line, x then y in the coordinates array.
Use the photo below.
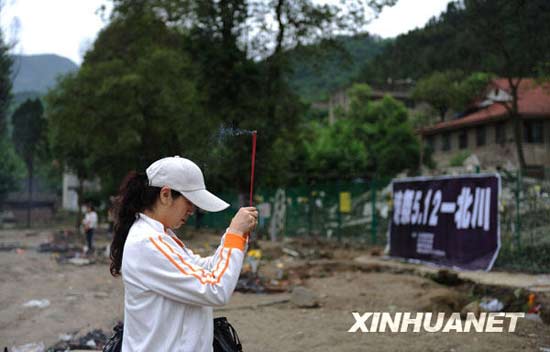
{"type": "Point", "coordinates": [169, 292]}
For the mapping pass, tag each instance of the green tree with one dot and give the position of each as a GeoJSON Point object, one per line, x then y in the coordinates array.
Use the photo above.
{"type": "Point", "coordinates": [29, 128]}
{"type": "Point", "coordinates": [370, 139]}
{"type": "Point", "coordinates": [133, 100]}
{"type": "Point", "coordinates": [300, 22]}
{"type": "Point", "coordinates": [390, 138]}
{"type": "Point", "coordinates": [5, 83]}
{"type": "Point", "coordinates": [469, 89]}
{"type": "Point", "coordinates": [68, 134]}
{"type": "Point", "coordinates": [241, 93]}
{"type": "Point", "coordinates": [450, 90]}
{"type": "Point", "coordinates": [335, 152]}
{"type": "Point", "coordinates": [439, 89]}
{"type": "Point", "coordinates": [11, 168]}
{"type": "Point", "coordinates": [504, 34]}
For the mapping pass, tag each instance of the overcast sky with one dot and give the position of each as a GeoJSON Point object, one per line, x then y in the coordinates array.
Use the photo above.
{"type": "Point", "coordinates": [68, 27]}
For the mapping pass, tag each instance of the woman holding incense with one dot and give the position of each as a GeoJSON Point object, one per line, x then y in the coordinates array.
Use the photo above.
{"type": "Point", "coordinates": [169, 291]}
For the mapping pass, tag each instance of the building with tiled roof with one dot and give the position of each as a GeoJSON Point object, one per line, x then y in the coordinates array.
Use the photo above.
{"type": "Point", "coordinates": [487, 131]}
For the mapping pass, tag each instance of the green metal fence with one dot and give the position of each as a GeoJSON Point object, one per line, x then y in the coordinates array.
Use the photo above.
{"type": "Point", "coordinates": [525, 222]}
{"type": "Point", "coordinates": [341, 210]}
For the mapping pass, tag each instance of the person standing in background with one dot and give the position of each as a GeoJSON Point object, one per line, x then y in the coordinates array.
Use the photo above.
{"type": "Point", "coordinates": [90, 224]}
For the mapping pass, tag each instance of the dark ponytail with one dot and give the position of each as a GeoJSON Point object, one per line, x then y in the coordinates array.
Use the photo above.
{"type": "Point", "coordinates": [135, 195]}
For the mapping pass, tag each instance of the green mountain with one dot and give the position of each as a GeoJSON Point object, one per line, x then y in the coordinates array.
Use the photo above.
{"type": "Point", "coordinates": [38, 73]}
{"type": "Point", "coordinates": [318, 70]}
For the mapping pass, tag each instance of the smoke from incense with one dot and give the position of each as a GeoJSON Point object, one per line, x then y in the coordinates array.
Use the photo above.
{"type": "Point", "coordinates": [225, 132]}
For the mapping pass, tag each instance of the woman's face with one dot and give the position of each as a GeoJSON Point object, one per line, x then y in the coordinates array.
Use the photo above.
{"type": "Point", "coordinates": [178, 212]}
{"type": "Point", "coordinates": [172, 212]}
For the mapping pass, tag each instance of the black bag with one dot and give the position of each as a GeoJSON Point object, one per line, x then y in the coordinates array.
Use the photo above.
{"type": "Point", "coordinates": [225, 337]}
{"type": "Point", "coordinates": [115, 342]}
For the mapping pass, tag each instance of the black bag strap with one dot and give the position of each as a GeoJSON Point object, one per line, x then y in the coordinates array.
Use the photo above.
{"type": "Point", "coordinates": [115, 342]}
{"type": "Point", "coordinates": [225, 337]}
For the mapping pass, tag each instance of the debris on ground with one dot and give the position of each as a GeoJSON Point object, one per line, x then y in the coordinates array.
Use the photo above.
{"type": "Point", "coordinates": [66, 248]}
{"type": "Point", "coordinates": [61, 242]}
{"type": "Point", "coordinates": [93, 340]}
{"type": "Point", "coordinates": [291, 252]}
{"type": "Point", "coordinates": [304, 298]}
{"type": "Point", "coordinates": [250, 283]}
{"type": "Point", "coordinates": [491, 304]}
{"type": "Point", "coordinates": [252, 260]}
{"type": "Point", "coordinates": [8, 247]}
{"type": "Point", "coordinates": [29, 347]}
{"type": "Point", "coordinates": [79, 261]}
{"type": "Point", "coordinates": [37, 303]}
{"type": "Point", "coordinates": [65, 337]}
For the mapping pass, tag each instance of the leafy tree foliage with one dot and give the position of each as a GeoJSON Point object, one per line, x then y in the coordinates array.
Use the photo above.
{"type": "Point", "coordinates": [5, 83]}
{"type": "Point", "coordinates": [133, 101]}
{"type": "Point", "coordinates": [439, 90]}
{"type": "Point", "coordinates": [512, 50]}
{"type": "Point", "coordinates": [450, 90]}
{"type": "Point", "coordinates": [372, 138]}
{"type": "Point", "coordinates": [469, 89]}
{"type": "Point", "coordinates": [165, 74]}
{"type": "Point", "coordinates": [11, 168]}
{"type": "Point", "coordinates": [243, 94]}
{"type": "Point", "coordinates": [29, 128]}
{"type": "Point", "coordinates": [335, 152]}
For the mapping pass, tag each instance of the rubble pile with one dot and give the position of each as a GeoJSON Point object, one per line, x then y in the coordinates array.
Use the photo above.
{"type": "Point", "coordinates": [93, 340]}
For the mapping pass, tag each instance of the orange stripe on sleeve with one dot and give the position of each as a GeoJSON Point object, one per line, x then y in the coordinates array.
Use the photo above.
{"type": "Point", "coordinates": [226, 265]}
{"type": "Point", "coordinates": [206, 277]}
{"type": "Point", "coordinates": [203, 273]}
{"type": "Point", "coordinates": [204, 282]}
{"type": "Point", "coordinates": [234, 241]}
{"type": "Point", "coordinates": [168, 256]}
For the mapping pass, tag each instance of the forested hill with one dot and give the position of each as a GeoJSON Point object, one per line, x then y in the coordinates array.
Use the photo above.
{"type": "Point", "coordinates": [320, 69]}
{"type": "Point", "coordinates": [471, 37]}
{"type": "Point", "coordinates": [38, 73]}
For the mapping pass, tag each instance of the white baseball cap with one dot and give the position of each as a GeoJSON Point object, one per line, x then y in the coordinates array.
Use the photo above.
{"type": "Point", "coordinates": [186, 177]}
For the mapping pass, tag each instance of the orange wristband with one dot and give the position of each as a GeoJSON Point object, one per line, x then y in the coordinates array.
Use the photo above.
{"type": "Point", "coordinates": [234, 241]}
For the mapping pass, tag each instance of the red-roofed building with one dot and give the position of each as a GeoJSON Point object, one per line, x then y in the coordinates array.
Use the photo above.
{"type": "Point", "coordinates": [488, 131]}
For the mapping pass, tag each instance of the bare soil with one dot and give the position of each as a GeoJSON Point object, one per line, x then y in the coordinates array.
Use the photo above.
{"type": "Point", "coordinates": [83, 298]}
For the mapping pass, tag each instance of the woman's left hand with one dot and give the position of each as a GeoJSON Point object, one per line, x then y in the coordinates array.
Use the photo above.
{"type": "Point", "coordinates": [244, 221]}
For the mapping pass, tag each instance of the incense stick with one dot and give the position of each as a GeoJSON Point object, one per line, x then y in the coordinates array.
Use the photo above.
{"type": "Point", "coordinates": [252, 167]}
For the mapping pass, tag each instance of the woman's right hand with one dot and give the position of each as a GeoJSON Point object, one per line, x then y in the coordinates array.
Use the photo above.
{"type": "Point", "coordinates": [244, 221]}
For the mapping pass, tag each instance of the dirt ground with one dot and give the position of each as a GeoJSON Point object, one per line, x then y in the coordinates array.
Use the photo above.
{"type": "Point", "coordinates": [83, 298]}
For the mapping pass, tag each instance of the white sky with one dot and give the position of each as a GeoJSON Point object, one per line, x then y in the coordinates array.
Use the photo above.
{"type": "Point", "coordinates": [68, 27]}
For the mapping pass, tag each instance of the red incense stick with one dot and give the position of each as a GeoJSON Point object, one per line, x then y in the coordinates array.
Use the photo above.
{"type": "Point", "coordinates": [252, 169]}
